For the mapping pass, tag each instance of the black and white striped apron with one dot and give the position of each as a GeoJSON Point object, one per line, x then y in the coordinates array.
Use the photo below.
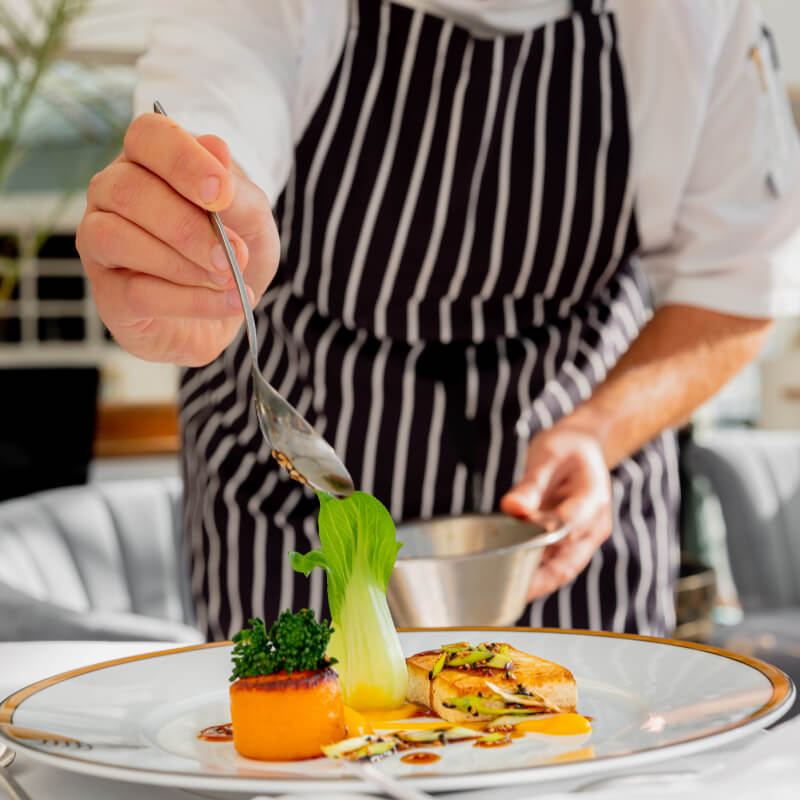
{"type": "Point", "coordinates": [458, 272]}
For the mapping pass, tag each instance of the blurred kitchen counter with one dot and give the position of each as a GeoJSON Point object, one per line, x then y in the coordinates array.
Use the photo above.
{"type": "Point", "coordinates": [135, 440]}
{"type": "Point", "coordinates": [136, 429]}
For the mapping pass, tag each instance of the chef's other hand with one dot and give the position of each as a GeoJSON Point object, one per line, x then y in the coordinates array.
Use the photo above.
{"type": "Point", "coordinates": [158, 272]}
{"type": "Point", "coordinates": [566, 473]}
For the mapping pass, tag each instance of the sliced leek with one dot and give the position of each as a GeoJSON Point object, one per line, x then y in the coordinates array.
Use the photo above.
{"type": "Point", "coordinates": [361, 747]}
{"type": "Point", "coordinates": [509, 721]}
{"type": "Point", "coordinates": [533, 699]}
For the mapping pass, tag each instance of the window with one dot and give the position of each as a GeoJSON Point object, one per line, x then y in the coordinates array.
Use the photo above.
{"type": "Point", "coordinates": [50, 311]}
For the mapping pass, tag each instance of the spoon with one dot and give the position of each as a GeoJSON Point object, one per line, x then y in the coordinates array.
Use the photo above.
{"type": "Point", "coordinates": [367, 773]}
{"type": "Point", "coordinates": [390, 786]}
{"type": "Point", "coordinates": [295, 445]}
{"type": "Point", "coordinates": [13, 789]}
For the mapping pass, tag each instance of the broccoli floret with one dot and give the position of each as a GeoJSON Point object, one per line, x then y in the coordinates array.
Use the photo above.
{"type": "Point", "coordinates": [294, 643]}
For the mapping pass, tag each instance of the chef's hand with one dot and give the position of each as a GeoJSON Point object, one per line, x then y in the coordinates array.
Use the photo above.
{"type": "Point", "coordinates": [158, 272]}
{"type": "Point", "coordinates": [566, 473]}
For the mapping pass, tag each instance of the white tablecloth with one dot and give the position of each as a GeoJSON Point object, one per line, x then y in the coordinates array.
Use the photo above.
{"type": "Point", "coordinates": [25, 663]}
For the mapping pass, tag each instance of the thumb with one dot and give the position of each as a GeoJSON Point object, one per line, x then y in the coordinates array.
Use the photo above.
{"type": "Point", "coordinates": [526, 497]}
{"type": "Point", "coordinates": [217, 148]}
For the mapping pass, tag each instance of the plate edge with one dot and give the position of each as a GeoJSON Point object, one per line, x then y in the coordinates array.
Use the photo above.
{"type": "Point", "coordinates": [782, 687]}
{"type": "Point", "coordinates": [12, 702]}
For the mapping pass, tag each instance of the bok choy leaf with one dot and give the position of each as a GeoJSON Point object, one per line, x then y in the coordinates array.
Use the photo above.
{"type": "Point", "coordinates": [358, 551]}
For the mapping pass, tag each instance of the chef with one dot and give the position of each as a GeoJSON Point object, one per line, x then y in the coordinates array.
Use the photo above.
{"type": "Point", "coordinates": [496, 251]}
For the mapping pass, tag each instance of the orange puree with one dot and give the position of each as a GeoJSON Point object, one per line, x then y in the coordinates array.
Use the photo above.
{"type": "Point", "coordinates": [356, 723]}
{"type": "Point", "coordinates": [568, 724]}
{"type": "Point", "coordinates": [406, 711]}
{"type": "Point", "coordinates": [287, 717]}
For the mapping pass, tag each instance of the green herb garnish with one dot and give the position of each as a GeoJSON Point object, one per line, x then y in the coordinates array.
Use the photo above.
{"type": "Point", "coordinates": [294, 643]}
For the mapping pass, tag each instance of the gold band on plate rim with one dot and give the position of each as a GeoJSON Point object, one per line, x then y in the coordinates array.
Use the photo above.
{"type": "Point", "coordinates": [12, 702]}
{"type": "Point", "coordinates": [780, 683]}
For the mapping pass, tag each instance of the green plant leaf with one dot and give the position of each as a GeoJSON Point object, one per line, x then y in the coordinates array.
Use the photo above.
{"type": "Point", "coordinates": [309, 561]}
{"type": "Point", "coordinates": [358, 549]}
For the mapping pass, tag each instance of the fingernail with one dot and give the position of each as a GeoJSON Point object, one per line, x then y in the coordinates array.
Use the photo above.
{"type": "Point", "coordinates": [209, 189]}
{"type": "Point", "coordinates": [218, 260]}
{"type": "Point", "coordinates": [219, 279]}
{"type": "Point", "coordinates": [232, 299]}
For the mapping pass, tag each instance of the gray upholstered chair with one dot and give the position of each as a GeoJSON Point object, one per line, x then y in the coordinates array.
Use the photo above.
{"type": "Point", "coordinates": [101, 561]}
{"type": "Point", "coordinates": [756, 476]}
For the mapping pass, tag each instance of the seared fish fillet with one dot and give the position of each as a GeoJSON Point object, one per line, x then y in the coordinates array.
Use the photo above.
{"type": "Point", "coordinates": [534, 677]}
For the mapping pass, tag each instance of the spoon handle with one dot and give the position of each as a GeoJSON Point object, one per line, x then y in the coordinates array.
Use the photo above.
{"type": "Point", "coordinates": [219, 229]}
{"type": "Point", "coordinates": [13, 789]}
{"type": "Point", "coordinates": [250, 322]}
{"type": "Point", "coordinates": [391, 787]}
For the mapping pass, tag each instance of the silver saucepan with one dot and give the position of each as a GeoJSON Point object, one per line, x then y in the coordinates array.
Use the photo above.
{"type": "Point", "coordinates": [467, 570]}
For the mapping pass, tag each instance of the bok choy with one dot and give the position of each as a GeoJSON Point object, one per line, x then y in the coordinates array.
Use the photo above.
{"type": "Point", "coordinates": [358, 551]}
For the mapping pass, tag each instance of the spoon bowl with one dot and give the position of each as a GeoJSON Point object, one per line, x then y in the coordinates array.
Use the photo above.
{"type": "Point", "coordinates": [296, 446]}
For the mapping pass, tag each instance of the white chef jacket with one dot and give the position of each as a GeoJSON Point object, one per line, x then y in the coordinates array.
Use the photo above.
{"type": "Point", "coordinates": [716, 159]}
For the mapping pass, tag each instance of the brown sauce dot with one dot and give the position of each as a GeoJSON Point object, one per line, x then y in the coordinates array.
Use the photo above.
{"type": "Point", "coordinates": [217, 733]}
{"type": "Point", "coordinates": [421, 712]}
{"type": "Point", "coordinates": [419, 758]}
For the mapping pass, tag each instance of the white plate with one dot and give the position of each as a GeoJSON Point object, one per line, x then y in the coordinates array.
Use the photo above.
{"type": "Point", "coordinates": [137, 719]}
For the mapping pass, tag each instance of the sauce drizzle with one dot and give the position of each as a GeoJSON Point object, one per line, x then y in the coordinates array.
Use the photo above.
{"type": "Point", "coordinates": [419, 758]}
{"type": "Point", "coordinates": [217, 733]}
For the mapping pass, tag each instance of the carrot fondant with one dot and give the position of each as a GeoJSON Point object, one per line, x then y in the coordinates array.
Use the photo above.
{"type": "Point", "coordinates": [285, 697]}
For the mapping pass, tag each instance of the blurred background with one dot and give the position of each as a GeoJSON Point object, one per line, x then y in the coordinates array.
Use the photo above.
{"type": "Point", "coordinates": [66, 81]}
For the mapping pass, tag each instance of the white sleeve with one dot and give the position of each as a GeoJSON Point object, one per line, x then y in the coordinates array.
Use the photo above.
{"type": "Point", "coordinates": [230, 69]}
{"type": "Point", "coordinates": [736, 239]}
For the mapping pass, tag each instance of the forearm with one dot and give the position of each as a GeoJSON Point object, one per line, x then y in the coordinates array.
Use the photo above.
{"type": "Point", "coordinates": [679, 360]}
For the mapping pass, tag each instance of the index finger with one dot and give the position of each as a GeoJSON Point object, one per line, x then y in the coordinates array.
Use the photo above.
{"type": "Point", "coordinates": [561, 563]}
{"type": "Point", "coordinates": [161, 146]}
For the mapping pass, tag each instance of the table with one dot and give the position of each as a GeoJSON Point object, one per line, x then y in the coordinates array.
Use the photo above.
{"type": "Point", "coordinates": [22, 663]}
